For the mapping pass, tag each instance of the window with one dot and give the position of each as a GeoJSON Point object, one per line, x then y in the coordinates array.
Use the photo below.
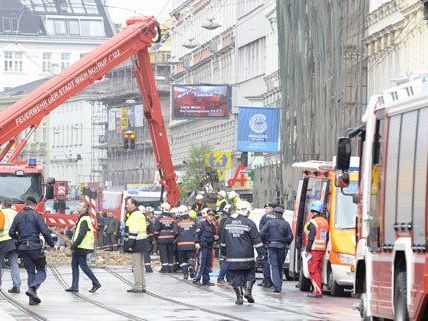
{"type": "Point", "coordinates": [65, 60]}
{"type": "Point", "coordinates": [91, 6]}
{"type": "Point", "coordinates": [50, 6]}
{"type": "Point", "coordinates": [10, 24]}
{"type": "Point", "coordinates": [60, 27]}
{"type": "Point", "coordinates": [47, 62]}
{"type": "Point", "coordinates": [92, 28]}
{"type": "Point", "coordinates": [73, 27]}
{"type": "Point", "coordinates": [50, 27]}
{"type": "Point", "coordinates": [77, 6]}
{"type": "Point", "coordinates": [13, 61]}
{"type": "Point", "coordinates": [38, 5]}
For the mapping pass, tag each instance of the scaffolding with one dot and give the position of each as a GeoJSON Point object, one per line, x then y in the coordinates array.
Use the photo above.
{"type": "Point", "coordinates": [322, 72]}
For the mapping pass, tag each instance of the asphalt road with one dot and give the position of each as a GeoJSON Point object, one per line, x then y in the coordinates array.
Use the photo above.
{"type": "Point", "coordinates": [168, 298]}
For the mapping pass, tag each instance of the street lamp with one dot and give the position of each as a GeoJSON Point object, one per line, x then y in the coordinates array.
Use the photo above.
{"type": "Point", "coordinates": [190, 44]}
{"type": "Point", "coordinates": [211, 24]}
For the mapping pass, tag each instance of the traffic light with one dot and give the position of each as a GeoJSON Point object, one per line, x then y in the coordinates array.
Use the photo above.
{"type": "Point", "coordinates": [126, 140]}
{"type": "Point", "coordinates": [129, 138]}
{"type": "Point", "coordinates": [132, 138]}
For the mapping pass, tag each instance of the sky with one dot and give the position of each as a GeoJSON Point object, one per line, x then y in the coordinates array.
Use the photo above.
{"type": "Point", "coordinates": [120, 10]}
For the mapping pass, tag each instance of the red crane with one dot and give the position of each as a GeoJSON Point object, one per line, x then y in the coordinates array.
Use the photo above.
{"type": "Point", "coordinates": [27, 113]}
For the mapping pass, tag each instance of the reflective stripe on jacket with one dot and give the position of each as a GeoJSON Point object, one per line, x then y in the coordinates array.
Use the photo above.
{"type": "Point", "coordinates": [321, 236]}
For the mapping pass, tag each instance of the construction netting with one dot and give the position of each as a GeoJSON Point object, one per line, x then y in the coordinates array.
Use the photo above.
{"type": "Point", "coordinates": [323, 77]}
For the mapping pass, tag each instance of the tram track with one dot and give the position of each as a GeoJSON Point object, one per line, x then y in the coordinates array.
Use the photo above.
{"type": "Point", "coordinates": [59, 278]}
{"type": "Point", "coordinates": [170, 300]}
{"type": "Point", "coordinates": [22, 307]}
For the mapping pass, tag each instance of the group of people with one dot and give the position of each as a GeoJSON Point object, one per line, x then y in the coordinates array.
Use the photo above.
{"type": "Point", "coordinates": [186, 238]}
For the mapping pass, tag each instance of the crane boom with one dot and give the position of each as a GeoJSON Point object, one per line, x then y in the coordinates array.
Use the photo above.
{"type": "Point", "coordinates": [134, 40]}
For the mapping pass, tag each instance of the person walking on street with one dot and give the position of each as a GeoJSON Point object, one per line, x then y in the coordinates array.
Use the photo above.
{"type": "Point", "coordinates": [110, 230]}
{"type": "Point", "coordinates": [277, 234]}
{"type": "Point", "coordinates": [184, 230]}
{"type": "Point", "coordinates": [26, 229]}
{"type": "Point", "coordinates": [136, 243]}
{"type": "Point", "coordinates": [82, 245]}
{"type": "Point", "coordinates": [7, 245]}
{"type": "Point", "coordinates": [238, 240]}
{"type": "Point", "coordinates": [165, 236]}
{"type": "Point", "coordinates": [205, 236]}
{"type": "Point", "coordinates": [316, 231]}
{"type": "Point", "coordinates": [269, 214]}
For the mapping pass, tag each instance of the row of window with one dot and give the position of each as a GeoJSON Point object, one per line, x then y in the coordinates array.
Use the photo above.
{"type": "Point", "coordinates": [13, 61]}
{"type": "Point", "coordinates": [62, 6]}
{"type": "Point", "coordinates": [75, 27]}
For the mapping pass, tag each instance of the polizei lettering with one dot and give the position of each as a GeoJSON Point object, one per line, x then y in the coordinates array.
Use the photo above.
{"type": "Point", "coordinates": [67, 88]}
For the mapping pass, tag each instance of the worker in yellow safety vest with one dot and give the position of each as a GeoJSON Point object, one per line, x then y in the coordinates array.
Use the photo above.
{"type": "Point", "coordinates": [221, 203]}
{"type": "Point", "coordinates": [7, 245]}
{"type": "Point", "coordinates": [82, 244]}
{"type": "Point", "coordinates": [234, 198]}
{"type": "Point", "coordinates": [136, 243]}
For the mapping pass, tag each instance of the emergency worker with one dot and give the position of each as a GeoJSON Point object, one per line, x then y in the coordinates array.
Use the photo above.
{"type": "Point", "coordinates": [239, 238]}
{"type": "Point", "coordinates": [277, 234]}
{"type": "Point", "coordinates": [234, 198]}
{"type": "Point", "coordinates": [26, 229]}
{"type": "Point", "coordinates": [228, 210]}
{"type": "Point", "coordinates": [165, 237]}
{"type": "Point", "coordinates": [204, 237]}
{"type": "Point", "coordinates": [269, 214]}
{"type": "Point", "coordinates": [150, 222]}
{"type": "Point", "coordinates": [176, 264]}
{"type": "Point", "coordinates": [135, 242]}
{"type": "Point", "coordinates": [316, 231]}
{"type": "Point", "coordinates": [82, 244]}
{"type": "Point", "coordinates": [199, 205]}
{"type": "Point", "coordinates": [221, 203]}
{"type": "Point", "coordinates": [7, 245]}
{"type": "Point", "coordinates": [184, 231]}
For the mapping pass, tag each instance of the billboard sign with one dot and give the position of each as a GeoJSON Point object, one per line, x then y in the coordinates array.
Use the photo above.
{"type": "Point", "coordinates": [220, 161]}
{"type": "Point", "coordinates": [200, 101]}
{"type": "Point", "coordinates": [258, 129]}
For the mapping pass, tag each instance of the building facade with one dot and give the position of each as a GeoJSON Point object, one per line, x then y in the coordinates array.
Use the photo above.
{"type": "Point", "coordinates": [397, 42]}
{"type": "Point", "coordinates": [39, 39]}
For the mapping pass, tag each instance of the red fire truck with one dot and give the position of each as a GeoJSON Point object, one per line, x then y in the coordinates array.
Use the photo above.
{"type": "Point", "coordinates": [391, 256]}
{"type": "Point", "coordinates": [18, 181]}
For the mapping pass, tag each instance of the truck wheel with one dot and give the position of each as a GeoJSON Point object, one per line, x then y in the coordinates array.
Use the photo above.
{"type": "Point", "coordinates": [304, 283]}
{"type": "Point", "coordinates": [335, 289]}
{"type": "Point", "coordinates": [400, 298]}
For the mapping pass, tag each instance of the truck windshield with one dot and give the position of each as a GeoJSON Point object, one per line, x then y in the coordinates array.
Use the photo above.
{"type": "Point", "coordinates": [18, 188]}
{"type": "Point", "coordinates": [346, 209]}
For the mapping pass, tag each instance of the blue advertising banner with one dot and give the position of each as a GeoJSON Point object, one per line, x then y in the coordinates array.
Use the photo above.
{"type": "Point", "coordinates": [258, 129]}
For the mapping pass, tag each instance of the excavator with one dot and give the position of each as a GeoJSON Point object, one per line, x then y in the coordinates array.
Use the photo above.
{"type": "Point", "coordinates": [18, 180]}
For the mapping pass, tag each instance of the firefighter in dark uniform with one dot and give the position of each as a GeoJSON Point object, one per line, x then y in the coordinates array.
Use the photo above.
{"type": "Point", "coordinates": [26, 228]}
{"type": "Point", "coordinates": [269, 214]}
{"type": "Point", "coordinates": [277, 234]}
{"type": "Point", "coordinates": [184, 230]}
{"type": "Point", "coordinates": [150, 222]}
{"type": "Point", "coordinates": [238, 240]}
{"type": "Point", "coordinates": [165, 236]}
{"type": "Point", "coordinates": [205, 236]}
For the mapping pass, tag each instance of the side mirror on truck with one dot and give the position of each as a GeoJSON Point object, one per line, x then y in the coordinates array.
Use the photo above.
{"type": "Point", "coordinates": [50, 189]}
{"type": "Point", "coordinates": [343, 158]}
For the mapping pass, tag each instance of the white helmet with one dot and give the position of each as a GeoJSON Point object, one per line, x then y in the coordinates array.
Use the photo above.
{"type": "Point", "coordinates": [174, 210]}
{"type": "Point", "coordinates": [199, 197]}
{"type": "Point", "coordinates": [232, 194]}
{"type": "Point", "coordinates": [182, 210]}
{"type": "Point", "coordinates": [243, 208]}
{"type": "Point", "coordinates": [205, 211]}
{"type": "Point", "coordinates": [142, 209]}
{"type": "Point", "coordinates": [222, 194]}
{"type": "Point", "coordinates": [165, 207]}
{"type": "Point", "coordinates": [149, 209]}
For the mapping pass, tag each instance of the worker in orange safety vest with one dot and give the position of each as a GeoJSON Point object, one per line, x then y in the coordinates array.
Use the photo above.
{"type": "Point", "coordinates": [316, 231]}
